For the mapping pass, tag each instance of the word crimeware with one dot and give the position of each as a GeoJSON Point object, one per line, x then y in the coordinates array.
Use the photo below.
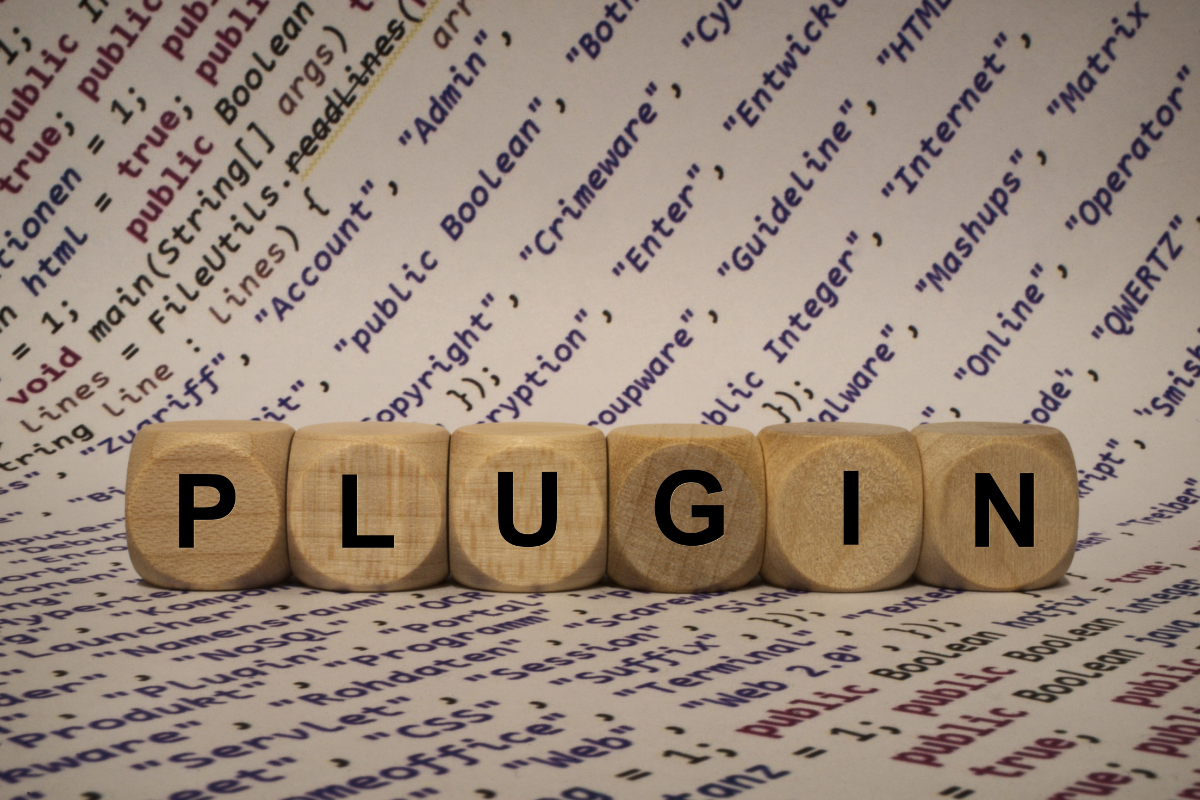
{"type": "Point", "coordinates": [535, 507]}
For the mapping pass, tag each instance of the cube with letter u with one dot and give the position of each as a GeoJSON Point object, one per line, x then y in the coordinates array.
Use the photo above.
{"type": "Point", "coordinates": [528, 506]}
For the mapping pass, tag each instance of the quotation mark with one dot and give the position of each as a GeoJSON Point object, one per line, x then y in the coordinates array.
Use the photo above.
{"type": "Point", "coordinates": [535, 104]}
{"type": "Point", "coordinates": [633, 774]}
{"type": "Point", "coordinates": [955, 791]}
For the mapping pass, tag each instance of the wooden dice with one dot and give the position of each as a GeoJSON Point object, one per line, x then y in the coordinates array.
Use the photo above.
{"type": "Point", "coordinates": [1001, 505]}
{"type": "Point", "coordinates": [687, 507]}
{"type": "Point", "coordinates": [204, 504]}
{"type": "Point", "coordinates": [844, 506]}
{"type": "Point", "coordinates": [367, 505]}
{"type": "Point", "coordinates": [528, 506]}
{"type": "Point", "coordinates": [540, 507]}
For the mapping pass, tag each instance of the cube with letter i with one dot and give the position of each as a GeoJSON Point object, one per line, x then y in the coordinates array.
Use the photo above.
{"type": "Point", "coordinates": [844, 506]}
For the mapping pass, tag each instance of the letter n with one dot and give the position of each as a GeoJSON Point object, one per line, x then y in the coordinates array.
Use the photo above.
{"type": "Point", "coordinates": [988, 493]}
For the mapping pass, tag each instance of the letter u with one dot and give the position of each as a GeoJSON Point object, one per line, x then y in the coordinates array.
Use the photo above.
{"type": "Point", "coordinates": [220, 55]}
{"type": "Point", "coordinates": [186, 29]}
{"type": "Point", "coordinates": [340, 246]}
{"type": "Point", "coordinates": [38, 154]}
{"type": "Point", "coordinates": [504, 511]}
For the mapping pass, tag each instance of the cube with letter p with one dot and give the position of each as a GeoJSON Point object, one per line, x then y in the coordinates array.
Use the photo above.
{"type": "Point", "coordinates": [205, 503]}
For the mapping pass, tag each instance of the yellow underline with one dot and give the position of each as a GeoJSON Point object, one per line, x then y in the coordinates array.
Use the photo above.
{"type": "Point", "coordinates": [367, 93]}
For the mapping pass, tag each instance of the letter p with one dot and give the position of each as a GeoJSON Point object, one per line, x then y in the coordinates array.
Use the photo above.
{"type": "Point", "coordinates": [189, 512]}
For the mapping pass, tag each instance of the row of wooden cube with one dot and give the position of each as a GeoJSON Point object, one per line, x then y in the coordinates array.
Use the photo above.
{"type": "Point", "coordinates": [553, 506]}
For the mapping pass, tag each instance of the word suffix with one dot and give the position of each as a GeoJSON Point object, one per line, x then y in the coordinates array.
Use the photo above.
{"type": "Point", "coordinates": [543, 507]}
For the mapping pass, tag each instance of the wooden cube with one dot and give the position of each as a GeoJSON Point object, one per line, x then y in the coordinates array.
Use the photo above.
{"type": "Point", "coordinates": [810, 499]}
{"type": "Point", "coordinates": [395, 535]}
{"type": "Point", "coordinates": [502, 478]}
{"type": "Point", "coordinates": [236, 545]}
{"type": "Point", "coordinates": [1027, 463]}
{"type": "Point", "coordinates": [661, 523]}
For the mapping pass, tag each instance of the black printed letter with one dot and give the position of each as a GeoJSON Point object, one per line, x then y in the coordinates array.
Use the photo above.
{"type": "Point", "coordinates": [504, 511]}
{"type": "Point", "coordinates": [986, 491]}
{"type": "Point", "coordinates": [188, 513]}
{"type": "Point", "coordinates": [715, 514]}
{"type": "Point", "coordinates": [350, 537]}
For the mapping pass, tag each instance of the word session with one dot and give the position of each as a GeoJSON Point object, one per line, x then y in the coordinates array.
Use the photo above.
{"type": "Point", "coordinates": [544, 507]}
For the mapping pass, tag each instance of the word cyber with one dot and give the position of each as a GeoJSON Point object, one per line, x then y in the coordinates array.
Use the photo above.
{"type": "Point", "coordinates": [542, 507]}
